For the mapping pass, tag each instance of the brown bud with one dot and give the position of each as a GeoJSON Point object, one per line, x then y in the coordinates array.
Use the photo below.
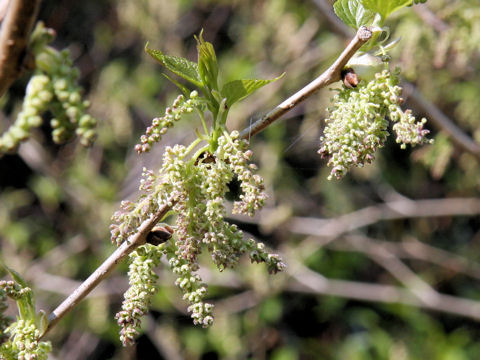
{"type": "Point", "coordinates": [159, 234]}
{"type": "Point", "coordinates": [350, 78]}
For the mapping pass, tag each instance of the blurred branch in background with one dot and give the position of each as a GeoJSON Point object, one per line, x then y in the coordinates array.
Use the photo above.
{"type": "Point", "coordinates": [398, 209]}
{"type": "Point", "coordinates": [15, 32]}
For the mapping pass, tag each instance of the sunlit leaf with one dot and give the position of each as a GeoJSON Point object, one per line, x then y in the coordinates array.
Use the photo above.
{"type": "Point", "coordinates": [207, 62]}
{"type": "Point", "coordinates": [385, 7]}
{"type": "Point", "coordinates": [239, 89]}
{"type": "Point", "coordinates": [353, 13]}
{"type": "Point", "coordinates": [178, 65]}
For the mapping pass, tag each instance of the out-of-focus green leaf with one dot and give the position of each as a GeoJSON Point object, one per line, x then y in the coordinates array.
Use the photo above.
{"type": "Point", "coordinates": [26, 304]}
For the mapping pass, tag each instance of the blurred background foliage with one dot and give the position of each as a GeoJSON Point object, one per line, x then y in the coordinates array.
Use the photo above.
{"type": "Point", "coordinates": [366, 260]}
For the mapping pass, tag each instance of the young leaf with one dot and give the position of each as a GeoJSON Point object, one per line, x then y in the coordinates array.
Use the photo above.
{"type": "Point", "coordinates": [184, 89]}
{"type": "Point", "coordinates": [385, 7]}
{"type": "Point", "coordinates": [237, 90]}
{"type": "Point", "coordinates": [26, 304]}
{"type": "Point", "coordinates": [207, 63]}
{"type": "Point", "coordinates": [353, 13]}
{"type": "Point", "coordinates": [178, 65]}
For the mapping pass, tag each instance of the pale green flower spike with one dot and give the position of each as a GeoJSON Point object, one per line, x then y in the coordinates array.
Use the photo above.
{"type": "Point", "coordinates": [358, 120]}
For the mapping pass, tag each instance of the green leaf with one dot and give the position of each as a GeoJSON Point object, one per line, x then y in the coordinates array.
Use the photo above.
{"type": "Point", "coordinates": [26, 304]}
{"type": "Point", "coordinates": [237, 90]}
{"type": "Point", "coordinates": [42, 322]}
{"type": "Point", "coordinates": [184, 89]}
{"type": "Point", "coordinates": [353, 13]}
{"type": "Point", "coordinates": [207, 62]}
{"type": "Point", "coordinates": [178, 65]}
{"type": "Point", "coordinates": [385, 7]}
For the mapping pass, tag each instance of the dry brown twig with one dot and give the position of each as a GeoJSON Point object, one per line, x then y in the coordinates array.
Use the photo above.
{"type": "Point", "coordinates": [331, 75]}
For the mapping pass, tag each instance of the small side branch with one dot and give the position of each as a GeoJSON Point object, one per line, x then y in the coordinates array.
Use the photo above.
{"type": "Point", "coordinates": [106, 268]}
{"type": "Point", "coordinates": [14, 36]}
{"type": "Point", "coordinates": [331, 75]}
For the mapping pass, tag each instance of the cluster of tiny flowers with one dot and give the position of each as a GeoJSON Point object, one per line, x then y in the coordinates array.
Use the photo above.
{"type": "Point", "coordinates": [14, 290]}
{"type": "Point", "coordinates": [142, 287]}
{"type": "Point", "coordinates": [53, 88]}
{"type": "Point", "coordinates": [23, 342]}
{"type": "Point", "coordinates": [131, 215]}
{"type": "Point", "coordinates": [196, 189]}
{"type": "Point", "coordinates": [194, 291]}
{"type": "Point", "coordinates": [69, 109]}
{"type": "Point", "coordinates": [38, 95]}
{"type": "Point", "coordinates": [357, 123]}
{"type": "Point", "coordinates": [161, 125]}
{"type": "Point", "coordinates": [236, 154]}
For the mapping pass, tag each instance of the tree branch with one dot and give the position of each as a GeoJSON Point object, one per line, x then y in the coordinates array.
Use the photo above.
{"type": "Point", "coordinates": [400, 209]}
{"type": "Point", "coordinates": [331, 75]}
{"type": "Point", "coordinates": [107, 266]}
{"type": "Point", "coordinates": [14, 37]}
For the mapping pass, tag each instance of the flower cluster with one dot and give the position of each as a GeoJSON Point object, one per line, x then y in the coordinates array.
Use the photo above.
{"type": "Point", "coordinates": [131, 215]}
{"type": "Point", "coordinates": [38, 95]}
{"type": "Point", "coordinates": [53, 88]}
{"type": "Point", "coordinates": [357, 123]}
{"type": "Point", "coordinates": [24, 341]}
{"type": "Point", "coordinates": [161, 125]}
{"type": "Point", "coordinates": [69, 109]}
{"type": "Point", "coordinates": [25, 344]}
{"type": "Point", "coordinates": [142, 288]}
{"type": "Point", "coordinates": [197, 187]}
{"type": "Point", "coordinates": [235, 153]}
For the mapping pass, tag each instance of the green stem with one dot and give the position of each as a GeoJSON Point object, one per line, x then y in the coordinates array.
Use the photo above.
{"type": "Point", "coordinates": [193, 144]}
{"type": "Point", "coordinates": [200, 152]}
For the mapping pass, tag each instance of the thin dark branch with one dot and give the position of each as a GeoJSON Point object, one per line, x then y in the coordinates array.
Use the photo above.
{"type": "Point", "coordinates": [16, 29]}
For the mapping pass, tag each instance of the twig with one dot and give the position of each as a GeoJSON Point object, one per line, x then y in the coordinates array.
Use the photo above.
{"type": "Point", "coordinates": [14, 37]}
{"type": "Point", "coordinates": [304, 280]}
{"type": "Point", "coordinates": [417, 250]}
{"type": "Point", "coordinates": [331, 75]}
{"type": "Point", "coordinates": [307, 281]}
{"type": "Point", "coordinates": [393, 210]}
{"type": "Point", "coordinates": [395, 267]}
{"type": "Point", "coordinates": [106, 267]}
{"type": "Point", "coordinates": [430, 18]}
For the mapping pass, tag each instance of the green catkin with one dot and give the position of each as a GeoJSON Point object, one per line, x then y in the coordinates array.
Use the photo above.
{"type": "Point", "coordinates": [142, 280]}
{"type": "Point", "coordinates": [357, 123]}
{"type": "Point", "coordinates": [54, 87]}
{"type": "Point", "coordinates": [198, 187]}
